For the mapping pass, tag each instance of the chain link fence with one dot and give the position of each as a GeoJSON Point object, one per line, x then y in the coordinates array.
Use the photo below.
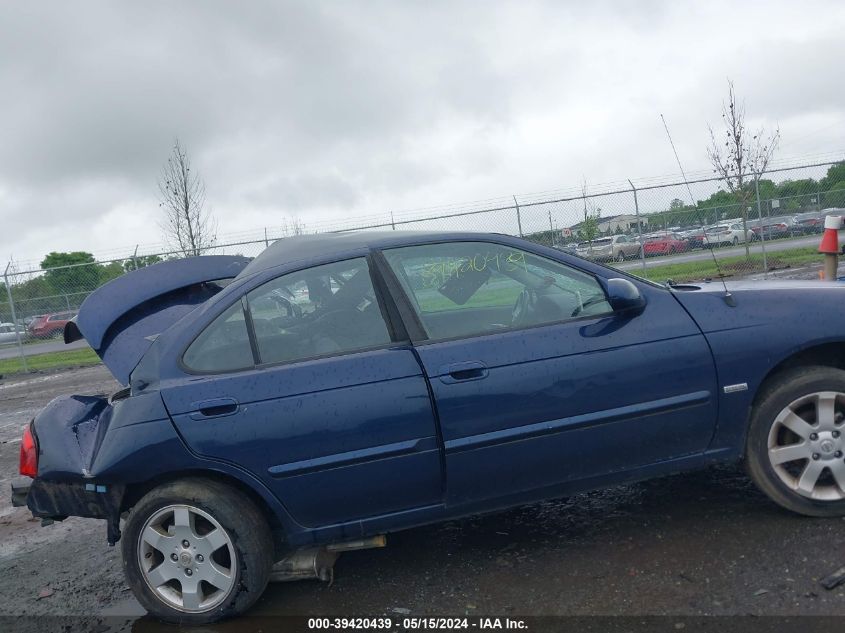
{"type": "Point", "coordinates": [654, 228]}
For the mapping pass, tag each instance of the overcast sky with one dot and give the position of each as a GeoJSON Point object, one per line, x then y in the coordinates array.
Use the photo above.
{"type": "Point", "coordinates": [323, 110]}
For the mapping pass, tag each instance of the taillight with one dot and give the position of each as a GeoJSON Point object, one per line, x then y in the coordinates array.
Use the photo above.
{"type": "Point", "coordinates": [29, 454]}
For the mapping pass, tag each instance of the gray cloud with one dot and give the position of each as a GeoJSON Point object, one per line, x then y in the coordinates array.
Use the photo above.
{"type": "Point", "coordinates": [338, 109]}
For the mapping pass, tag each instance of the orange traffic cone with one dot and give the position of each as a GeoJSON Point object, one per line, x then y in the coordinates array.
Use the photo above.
{"type": "Point", "coordinates": [830, 246]}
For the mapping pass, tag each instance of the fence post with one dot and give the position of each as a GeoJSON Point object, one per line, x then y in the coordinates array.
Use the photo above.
{"type": "Point", "coordinates": [14, 317]}
{"type": "Point", "coordinates": [518, 217]}
{"type": "Point", "coordinates": [392, 223]}
{"type": "Point", "coordinates": [639, 227]}
{"type": "Point", "coordinates": [762, 230]}
{"type": "Point", "coordinates": [266, 241]}
{"type": "Point", "coordinates": [135, 257]}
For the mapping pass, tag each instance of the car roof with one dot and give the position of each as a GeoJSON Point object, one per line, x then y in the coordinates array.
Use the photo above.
{"type": "Point", "coordinates": [304, 247]}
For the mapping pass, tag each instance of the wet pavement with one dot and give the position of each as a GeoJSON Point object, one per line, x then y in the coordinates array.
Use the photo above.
{"type": "Point", "coordinates": [10, 350]}
{"type": "Point", "coordinates": [693, 544]}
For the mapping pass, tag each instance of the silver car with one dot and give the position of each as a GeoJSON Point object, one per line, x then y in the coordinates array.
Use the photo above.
{"type": "Point", "coordinates": [7, 333]}
{"type": "Point", "coordinates": [614, 248]}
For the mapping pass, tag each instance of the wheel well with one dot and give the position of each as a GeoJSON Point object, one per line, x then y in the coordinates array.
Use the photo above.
{"type": "Point", "coordinates": [825, 355]}
{"type": "Point", "coordinates": [135, 492]}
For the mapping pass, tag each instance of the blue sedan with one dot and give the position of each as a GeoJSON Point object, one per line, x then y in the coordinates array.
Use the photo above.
{"type": "Point", "coordinates": [340, 387]}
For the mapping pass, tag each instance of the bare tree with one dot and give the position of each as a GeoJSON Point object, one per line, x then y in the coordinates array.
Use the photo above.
{"type": "Point", "coordinates": [739, 157]}
{"type": "Point", "coordinates": [295, 227]}
{"type": "Point", "coordinates": [188, 226]}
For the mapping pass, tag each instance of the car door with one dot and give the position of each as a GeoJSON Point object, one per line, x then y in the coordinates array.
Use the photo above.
{"type": "Point", "coordinates": [537, 381]}
{"type": "Point", "coordinates": [304, 382]}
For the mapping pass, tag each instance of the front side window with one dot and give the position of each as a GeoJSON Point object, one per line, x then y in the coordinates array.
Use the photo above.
{"type": "Point", "coordinates": [470, 288]}
{"type": "Point", "coordinates": [323, 310]}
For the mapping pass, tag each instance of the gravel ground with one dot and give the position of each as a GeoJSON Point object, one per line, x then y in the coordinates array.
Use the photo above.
{"type": "Point", "coordinates": [703, 543]}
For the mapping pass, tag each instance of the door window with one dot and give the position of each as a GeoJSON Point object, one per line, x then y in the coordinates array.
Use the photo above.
{"type": "Point", "coordinates": [328, 309]}
{"type": "Point", "coordinates": [223, 345]}
{"type": "Point", "coordinates": [470, 288]}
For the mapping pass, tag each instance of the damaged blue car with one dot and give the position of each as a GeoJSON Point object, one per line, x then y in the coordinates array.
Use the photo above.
{"type": "Point", "coordinates": [340, 387]}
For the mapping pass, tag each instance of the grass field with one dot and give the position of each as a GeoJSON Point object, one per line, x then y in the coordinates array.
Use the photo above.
{"type": "Point", "coordinates": [53, 360]}
{"type": "Point", "coordinates": [730, 266]}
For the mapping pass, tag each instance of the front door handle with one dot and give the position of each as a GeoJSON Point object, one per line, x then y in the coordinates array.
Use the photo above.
{"type": "Point", "coordinates": [463, 372]}
{"type": "Point", "coordinates": [216, 408]}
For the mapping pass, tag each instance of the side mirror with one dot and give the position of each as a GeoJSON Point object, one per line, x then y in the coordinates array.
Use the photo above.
{"type": "Point", "coordinates": [624, 296]}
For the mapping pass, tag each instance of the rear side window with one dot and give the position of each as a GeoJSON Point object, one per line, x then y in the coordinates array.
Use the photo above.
{"type": "Point", "coordinates": [319, 311]}
{"type": "Point", "coordinates": [223, 345]}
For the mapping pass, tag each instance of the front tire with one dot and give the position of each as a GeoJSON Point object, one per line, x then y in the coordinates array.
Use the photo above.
{"type": "Point", "coordinates": [796, 441]}
{"type": "Point", "coordinates": [196, 551]}
{"type": "Point", "coordinates": [620, 257]}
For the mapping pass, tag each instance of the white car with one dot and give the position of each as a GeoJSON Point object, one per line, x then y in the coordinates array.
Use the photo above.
{"type": "Point", "coordinates": [7, 333]}
{"type": "Point", "coordinates": [728, 234]}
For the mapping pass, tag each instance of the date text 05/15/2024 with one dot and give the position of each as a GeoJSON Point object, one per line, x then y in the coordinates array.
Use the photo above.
{"type": "Point", "coordinates": [417, 623]}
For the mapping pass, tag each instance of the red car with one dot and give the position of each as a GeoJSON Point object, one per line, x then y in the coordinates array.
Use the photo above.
{"type": "Point", "coordinates": [664, 244]}
{"type": "Point", "coordinates": [49, 325]}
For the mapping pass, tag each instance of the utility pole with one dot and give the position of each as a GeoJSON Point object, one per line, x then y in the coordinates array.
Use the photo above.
{"type": "Point", "coordinates": [762, 229]}
{"type": "Point", "coordinates": [639, 226]}
{"type": "Point", "coordinates": [14, 317]}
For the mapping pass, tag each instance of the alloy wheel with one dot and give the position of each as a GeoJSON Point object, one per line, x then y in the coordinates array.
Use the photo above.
{"type": "Point", "coordinates": [187, 558]}
{"type": "Point", "coordinates": [806, 446]}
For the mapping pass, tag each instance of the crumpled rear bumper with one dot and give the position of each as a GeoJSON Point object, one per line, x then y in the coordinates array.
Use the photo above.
{"type": "Point", "coordinates": [56, 501]}
{"type": "Point", "coordinates": [20, 490]}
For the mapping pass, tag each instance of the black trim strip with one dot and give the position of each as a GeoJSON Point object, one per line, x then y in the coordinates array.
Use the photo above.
{"type": "Point", "coordinates": [410, 319]}
{"type": "Point", "coordinates": [597, 418]}
{"type": "Point", "coordinates": [250, 331]}
{"type": "Point", "coordinates": [350, 458]}
{"type": "Point", "coordinates": [387, 305]}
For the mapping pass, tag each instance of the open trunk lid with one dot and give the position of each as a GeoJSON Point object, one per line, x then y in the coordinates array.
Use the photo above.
{"type": "Point", "coordinates": [121, 319]}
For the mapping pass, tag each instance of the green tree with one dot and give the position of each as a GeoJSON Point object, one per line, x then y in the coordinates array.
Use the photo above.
{"type": "Point", "coordinates": [71, 272]}
{"type": "Point", "coordinates": [835, 175]}
{"type": "Point", "coordinates": [109, 272]}
{"type": "Point", "coordinates": [834, 197]}
{"type": "Point", "coordinates": [720, 205]}
{"type": "Point", "coordinates": [590, 227]}
{"type": "Point", "coordinates": [140, 261]}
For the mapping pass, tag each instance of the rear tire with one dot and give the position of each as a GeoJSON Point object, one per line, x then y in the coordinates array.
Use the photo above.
{"type": "Point", "coordinates": [223, 569]}
{"type": "Point", "coordinates": [796, 439]}
{"type": "Point", "coordinates": [620, 257]}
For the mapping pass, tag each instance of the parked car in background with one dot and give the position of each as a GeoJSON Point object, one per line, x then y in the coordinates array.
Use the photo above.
{"type": "Point", "coordinates": [728, 234]}
{"type": "Point", "coordinates": [50, 325]}
{"type": "Point", "coordinates": [664, 244]}
{"type": "Point", "coordinates": [8, 333]}
{"type": "Point", "coordinates": [614, 248]}
{"type": "Point", "coordinates": [813, 221]}
{"type": "Point", "coordinates": [570, 248]}
{"type": "Point", "coordinates": [810, 222]}
{"type": "Point", "coordinates": [346, 386]}
{"type": "Point", "coordinates": [694, 237]}
{"type": "Point", "coordinates": [776, 227]}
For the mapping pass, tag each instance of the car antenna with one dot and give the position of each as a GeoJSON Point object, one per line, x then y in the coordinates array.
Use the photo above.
{"type": "Point", "coordinates": [729, 298]}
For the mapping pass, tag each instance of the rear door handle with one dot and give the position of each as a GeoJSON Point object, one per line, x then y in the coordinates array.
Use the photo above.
{"type": "Point", "coordinates": [216, 408]}
{"type": "Point", "coordinates": [463, 372]}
